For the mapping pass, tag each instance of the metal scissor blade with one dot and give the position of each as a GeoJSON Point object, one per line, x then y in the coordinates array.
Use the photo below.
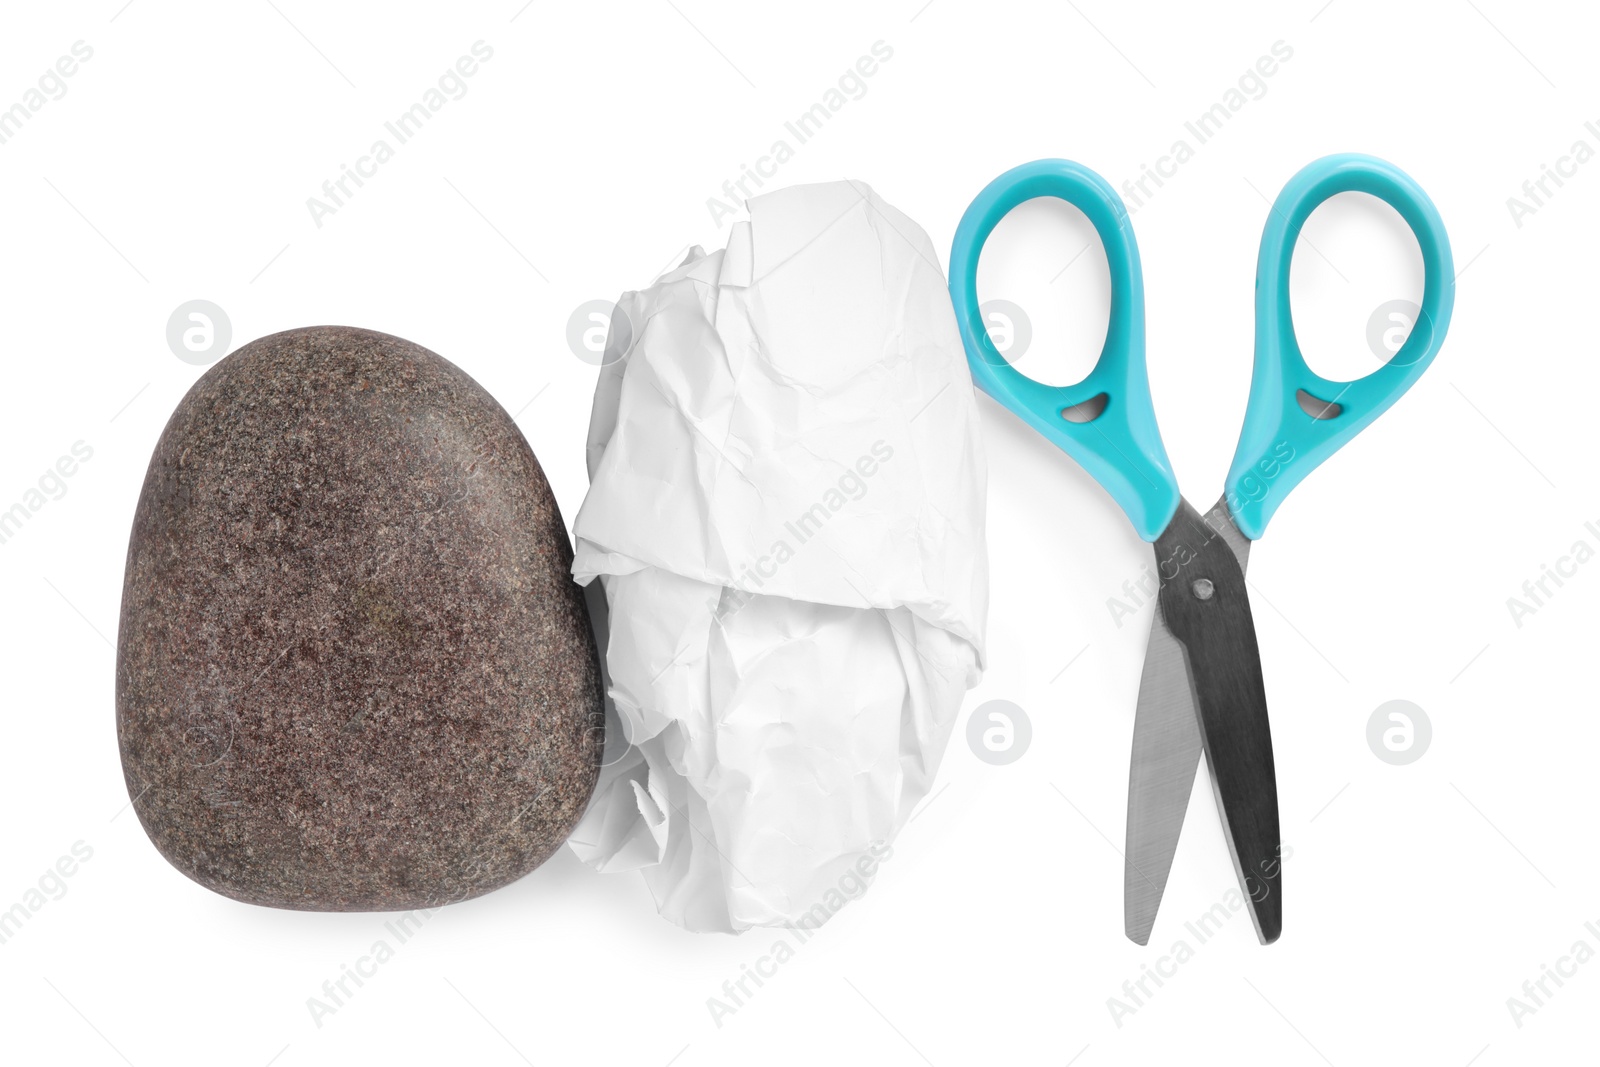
{"type": "Point", "coordinates": [1166, 754]}
{"type": "Point", "coordinates": [1166, 751]}
{"type": "Point", "coordinates": [1205, 602]}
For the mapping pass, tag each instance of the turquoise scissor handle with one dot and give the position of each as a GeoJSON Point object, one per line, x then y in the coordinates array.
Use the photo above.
{"type": "Point", "coordinates": [1295, 418]}
{"type": "Point", "coordinates": [1106, 422]}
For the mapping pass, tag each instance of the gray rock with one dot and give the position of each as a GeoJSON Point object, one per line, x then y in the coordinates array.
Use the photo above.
{"type": "Point", "coordinates": [353, 670]}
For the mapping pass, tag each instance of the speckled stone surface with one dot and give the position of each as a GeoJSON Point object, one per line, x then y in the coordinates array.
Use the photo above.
{"type": "Point", "coordinates": [353, 670]}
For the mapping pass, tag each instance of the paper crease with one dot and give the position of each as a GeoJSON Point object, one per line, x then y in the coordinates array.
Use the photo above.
{"type": "Point", "coordinates": [786, 518]}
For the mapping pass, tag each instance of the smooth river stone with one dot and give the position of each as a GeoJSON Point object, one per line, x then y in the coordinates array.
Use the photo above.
{"type": "Point", "coordinates": [353, 670]}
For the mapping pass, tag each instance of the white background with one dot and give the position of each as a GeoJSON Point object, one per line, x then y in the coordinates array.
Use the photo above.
{"type": "Point", "coordinates": [578, 165]}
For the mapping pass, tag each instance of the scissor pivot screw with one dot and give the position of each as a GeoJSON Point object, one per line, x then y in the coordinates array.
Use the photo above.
{"type": "Point", "coordinates": [1202, 588]}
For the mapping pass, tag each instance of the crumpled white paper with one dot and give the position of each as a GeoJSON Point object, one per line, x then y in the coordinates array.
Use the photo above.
{"type": "Point", "coordinates": [786, 513]}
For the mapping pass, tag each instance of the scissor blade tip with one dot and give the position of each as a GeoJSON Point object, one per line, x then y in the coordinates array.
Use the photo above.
{"type": "Point", "coordinates": [1268, 926]}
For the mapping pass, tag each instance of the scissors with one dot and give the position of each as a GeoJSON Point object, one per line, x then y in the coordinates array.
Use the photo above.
{"type": "Point", "coordinates": [1201, 687]}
